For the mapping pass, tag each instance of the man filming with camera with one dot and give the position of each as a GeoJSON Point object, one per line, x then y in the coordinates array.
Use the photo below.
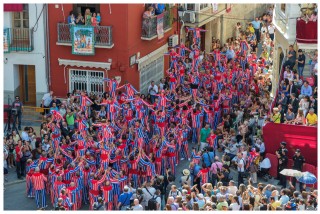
{"type": "Point", "coordinates": [16, 112]}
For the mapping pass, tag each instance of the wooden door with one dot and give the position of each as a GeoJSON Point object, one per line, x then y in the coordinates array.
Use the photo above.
{"type": "Point", "coordinates": [27, 84]}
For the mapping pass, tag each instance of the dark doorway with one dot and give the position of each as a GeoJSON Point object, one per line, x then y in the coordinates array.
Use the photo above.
{"type": "Point", "coordinates": [82, 8]}
{"type": "Point", "coordinates": [280, 61]}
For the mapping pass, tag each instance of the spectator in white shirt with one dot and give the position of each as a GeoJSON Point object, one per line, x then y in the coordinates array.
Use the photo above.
{"type": "Point", "coordinates": [46, 100]}
{"type": "Point", "coordinates": [25, 134]}
{"type": "Point", "coordinates": [235, 205]}
{"type": "Point", "coordinates": [288, 74]}
{"type": "Point", "coordinates": [148, 192]}
{"type": "Point", "coordinates": [232, 189]}
{"type": "Point", "coordinates": [271, 31]}
{"type": "Point", "coordinates": [137, 206]}
{"type": "Point", "coordinates": [153, 90]}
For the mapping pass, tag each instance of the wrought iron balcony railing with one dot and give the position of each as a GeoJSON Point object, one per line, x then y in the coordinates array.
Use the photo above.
{"type": "Point", "coordinates": [103, 34]}
{"type": "Point", "coordinates": [149, 25]}
{"type": "Point", "coordinates": [20, 39]}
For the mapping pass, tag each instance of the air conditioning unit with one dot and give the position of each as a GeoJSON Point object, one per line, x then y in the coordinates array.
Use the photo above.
{"type": "Point", "coordinates": [173, 40]}
{"type": "Point", "coordinates": [189, 16]}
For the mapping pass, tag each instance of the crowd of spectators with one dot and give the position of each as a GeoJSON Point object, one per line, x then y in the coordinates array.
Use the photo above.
{"type": "Point", "coordinates": [115, 164]}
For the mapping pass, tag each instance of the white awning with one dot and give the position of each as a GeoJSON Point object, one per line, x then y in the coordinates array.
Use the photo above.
{"type": "Point", "coordinates": [90, 64]}
{"type": "Point", "coordinates": [147, 59]}
{"type": "Point", "coordinates": [307, 46]}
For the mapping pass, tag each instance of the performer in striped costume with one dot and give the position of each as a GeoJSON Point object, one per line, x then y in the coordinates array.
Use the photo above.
{"type": "Point", "coordinates": [38, 181]}
{"type": "Point", "coordinates": [113, 85]}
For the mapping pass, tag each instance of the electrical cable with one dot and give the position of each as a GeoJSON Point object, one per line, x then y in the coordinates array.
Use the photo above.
{"type": "Point", "coordinates": [38, 19]}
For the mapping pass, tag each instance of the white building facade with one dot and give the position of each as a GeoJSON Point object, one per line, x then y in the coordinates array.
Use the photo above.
{"type": "Point", "coordinates": [25, 58]}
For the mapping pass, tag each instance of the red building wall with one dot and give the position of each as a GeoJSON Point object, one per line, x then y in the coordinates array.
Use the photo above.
{"type": "Point", "coordinates": [126, 22]}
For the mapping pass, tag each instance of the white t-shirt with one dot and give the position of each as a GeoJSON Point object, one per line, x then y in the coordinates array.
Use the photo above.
{"type": "Point", "coordinates": [242, 167]}
{"type": "Point", "coordinates": [271, 29]}
{"type": "Point", "coordinates": [232, 190]}
{"type": "Point", "coordinates": [137, 207]}
{"type": "Point", "coordinates": [147, 195]}
{"type": "Point", "coordinates": [235, 206]}
{"type": "Point", "coordinates": [153, 90]}
{"type": "Point", "coordinates": [47, 98]}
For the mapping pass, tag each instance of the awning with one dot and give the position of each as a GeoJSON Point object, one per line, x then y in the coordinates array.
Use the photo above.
{"type": "Point", "coordinates": [147, 59]}
{"type": "Point", "coordinates": [13, 7]}
{"type": "Point", "coordinates": [307, 46]}
{"type": "Point", "coordinates": [77, 63]}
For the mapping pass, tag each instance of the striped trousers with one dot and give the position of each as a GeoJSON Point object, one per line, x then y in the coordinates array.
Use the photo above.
{"type": "Point", "coordinates": [40, 193]}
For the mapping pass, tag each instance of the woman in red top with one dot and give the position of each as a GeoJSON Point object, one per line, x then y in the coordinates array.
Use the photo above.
{"type": "Point", "coordinates": [20, 166]}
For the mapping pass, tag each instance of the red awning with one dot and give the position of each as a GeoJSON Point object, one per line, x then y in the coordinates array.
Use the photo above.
{"type": "Point", "coordinates": [13, 7]}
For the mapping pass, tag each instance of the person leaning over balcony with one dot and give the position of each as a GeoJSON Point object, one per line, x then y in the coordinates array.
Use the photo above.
{"type": "Point", "coordinates": [71, 18]}
{"type": "Point", "coordinates": [148, 13]}
{"type": "Point", "coordinates": [313, 17]}
{"type": "Point", "coordinates": [98, 18]}
{"type": "Point", "coordinates": [159, 8]}
{"type": "Point", "coordinates": [87, 17]}
{"type": "Point", "coordinates": [79, 19]}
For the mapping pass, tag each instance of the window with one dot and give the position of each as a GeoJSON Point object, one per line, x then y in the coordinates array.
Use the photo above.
{"type": "Point", "coordinates": [21, 19]}
{"type": "Point", "coordinates": [88, 80]}
{"type": "Point", "coordinates": [203, 6]}
{"type": "Point", "coordinates": [283, 8]}
{"type": "Point", "coordinates": [191, 7]}
{"type": "Point", "coordinates": [153, 71]}
{"type": "Point", "coordinates": [94, 8]}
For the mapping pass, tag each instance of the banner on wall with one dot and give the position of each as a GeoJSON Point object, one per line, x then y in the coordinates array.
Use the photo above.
{"type": "Point", "coordinates": [160, 31]}
{"type": "Point", "coordinates": [83, 40]}
{"type": "Point", "coordinates": [6, 41]}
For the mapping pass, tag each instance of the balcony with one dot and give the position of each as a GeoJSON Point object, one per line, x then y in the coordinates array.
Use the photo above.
{"type": "Point", "coordinates": [197, 18]}
{"type": "Point", "coordinates": [307, 32]}
{"type": "Point", "coordinates": [19, 39]}
{"type": "Point", "coordinates": [149, 26]}
{"type": "Point", "coordinates": [103, 36]}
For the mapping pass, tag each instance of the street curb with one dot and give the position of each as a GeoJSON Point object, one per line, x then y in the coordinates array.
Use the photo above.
{"type": "Point", "coordinates": [14, 182]}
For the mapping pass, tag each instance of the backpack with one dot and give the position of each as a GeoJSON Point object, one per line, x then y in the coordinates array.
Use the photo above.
{"type": "Point", "coordinates": [152, 203]}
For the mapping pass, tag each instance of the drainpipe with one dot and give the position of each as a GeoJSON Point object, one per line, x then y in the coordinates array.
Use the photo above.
{"type": "Point", "coordinates": [47, 47]}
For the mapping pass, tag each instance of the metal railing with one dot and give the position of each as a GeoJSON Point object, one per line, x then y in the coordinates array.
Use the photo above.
{"type": "Point", "coordinates": [21, 39]}
{"type": "Point", "coordinates": [103, 34]}
{"type": "Point", "coordinates": [33, 114]}
{"type": "Point", "coordinates": [149, 25]}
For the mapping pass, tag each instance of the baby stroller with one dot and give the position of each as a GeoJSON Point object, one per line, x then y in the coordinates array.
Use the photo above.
{"type": "Point", "coordinates": [264, 168]}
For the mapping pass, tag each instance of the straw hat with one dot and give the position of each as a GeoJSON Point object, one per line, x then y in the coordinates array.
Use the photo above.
{"type": "Point", "coordinates": [186, 172]}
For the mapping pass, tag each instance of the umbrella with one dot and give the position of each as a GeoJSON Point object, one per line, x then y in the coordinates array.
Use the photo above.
{"type": "Point", "coordinates": [307, 178]}
{"type": "Point", "coordinates": [291, 172]}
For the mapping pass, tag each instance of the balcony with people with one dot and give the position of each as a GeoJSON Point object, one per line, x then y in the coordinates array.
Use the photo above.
{"type": "Point", "coordinates": [150, 23]}
{"type": "Point", "coordinates": [307, 26]}
{"type": "Point", "coordinates": [103, 34]}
